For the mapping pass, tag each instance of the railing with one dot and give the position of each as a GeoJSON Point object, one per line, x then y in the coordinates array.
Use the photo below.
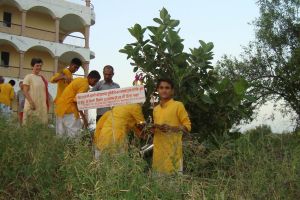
{"type": "Point", "coordinates": [14, 71]}
{"type": "Point", "coordinates": [41, 34]}
{"type": "Point", "coordinates": [12, 29]}
{"type": "Point", "coordinates": [10, 71]}
{"type": "Point", "coordinates": [74, 40]}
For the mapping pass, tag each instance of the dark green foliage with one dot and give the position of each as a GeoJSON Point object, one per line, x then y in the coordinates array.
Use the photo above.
{"type": "Point", "coordinates": [271, 62]}
{"type": "Point", "coordinates": [214, 103]}
{"type": "Point", "coordinates": [34, 164]}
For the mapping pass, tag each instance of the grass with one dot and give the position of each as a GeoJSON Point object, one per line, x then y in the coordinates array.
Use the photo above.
{"type": "Point", "coordinates": [35, 164]}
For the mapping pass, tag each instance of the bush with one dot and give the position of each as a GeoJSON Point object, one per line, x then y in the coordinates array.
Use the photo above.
{"type": "Point", "coordinates": [35, 164]}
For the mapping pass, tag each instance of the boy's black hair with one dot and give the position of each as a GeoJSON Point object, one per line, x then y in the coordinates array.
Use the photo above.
{"type": "Point", "coordinates": [94, 74]}
{"type": "Point", "coordinates": [36, 61]}
{"type": "Point", "coordinates": [12, 82]}
{"type": "Point", "coordinates": [167, 80]}
{"type": "Point", "coordinates": [76, 61]}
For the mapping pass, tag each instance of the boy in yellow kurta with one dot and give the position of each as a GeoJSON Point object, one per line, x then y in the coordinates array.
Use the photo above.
{"type": "Point", "coordinates": [64, 78]}
{"type": "Point", "coordinates": [113, 127]}
{"type": "Point", "coordinates": [171, 120]}
{"type": "Point", "coordinates": [68, 122]}
{"type": "Point", "coordinates": [7, 95]}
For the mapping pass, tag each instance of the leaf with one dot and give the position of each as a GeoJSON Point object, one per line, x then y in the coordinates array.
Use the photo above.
{"type": "Point", "coordinates": [123, 51]}
{"type": "Point", "coordinates": [206, 99]}
{"type": "Point", "coordinates": [164, 14]}
{"type": "Point", "coordinates": [157, 20]}
{"type": "Point", "coordinates": [174, 23]}
{"type": "Point", "coordinates": [153, 29]}
{"type": "Point", "coordinates": [250, 98]}
{"type": "Point", "coordinates": [135, 69]}
{"type": "Point", "coordinates": [240, 86]}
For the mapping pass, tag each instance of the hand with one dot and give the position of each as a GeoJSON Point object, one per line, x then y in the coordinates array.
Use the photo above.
{"type": "Point", "coordinates": [32, 106]}
{"type": "Point", "coordinates": [164, 128]}
{"type": "Point", "coordinates": [67, 80]}
{"type": "Point", "coordinates": [85, 123]}
{"type": "Point", "coordinates": [140, 125]}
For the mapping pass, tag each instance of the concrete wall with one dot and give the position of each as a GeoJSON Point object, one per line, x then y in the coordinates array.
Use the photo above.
{"type": "Point", "coordinates": [16, 20]}
{"type": "Point", "coordinates": [40, 26]}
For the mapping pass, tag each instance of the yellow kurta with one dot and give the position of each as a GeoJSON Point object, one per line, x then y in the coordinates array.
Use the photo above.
{"type": "Point", "coordinates": [62, 84]}
{"type": "Point", "coordinates": [114, 125]}
{"type": "Point", "coordinates": [167, 151]}
{"type": "Point", "coordinates": [37, 91]}
{"type": "Point", "coordinates": [7, 94]}
{"type": "Point", "coordinates": [66, 104]}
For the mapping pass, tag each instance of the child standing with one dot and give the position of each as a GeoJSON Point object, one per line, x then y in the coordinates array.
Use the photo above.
{"type": "Point", "coordinates": [171, 120]}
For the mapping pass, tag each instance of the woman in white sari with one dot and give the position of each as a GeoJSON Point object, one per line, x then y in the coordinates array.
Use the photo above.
{"type": "Point", "coordinates": [36, 93]}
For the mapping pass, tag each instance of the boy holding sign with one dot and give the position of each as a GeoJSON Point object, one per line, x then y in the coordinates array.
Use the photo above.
{"type": "Point", "coordinates": [171, 120]}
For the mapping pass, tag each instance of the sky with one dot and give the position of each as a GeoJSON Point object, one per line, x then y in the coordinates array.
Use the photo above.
{"type": "Point", "coordinates": [225, 23]}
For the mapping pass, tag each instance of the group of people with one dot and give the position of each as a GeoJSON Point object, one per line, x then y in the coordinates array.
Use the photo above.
{"type": "Point", "coordinates": [113, 124]}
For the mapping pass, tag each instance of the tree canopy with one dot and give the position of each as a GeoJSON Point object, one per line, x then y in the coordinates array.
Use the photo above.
{"type": "Point", "coordinates": [213, 102]}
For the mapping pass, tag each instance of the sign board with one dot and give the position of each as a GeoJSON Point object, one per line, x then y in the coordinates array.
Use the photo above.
{"type": "Point", "coordinates": [110, 98]}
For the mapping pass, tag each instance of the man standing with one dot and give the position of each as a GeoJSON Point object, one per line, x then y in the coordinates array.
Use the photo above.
{"type": "Point", "coordinates": [64, 78]}
{"type": "Point", "coordinates": [7, 95]}
{"type": "Point", "coordinates": [68, 122]}
{"type": "Point", "coordinates": [20, 102]}
{"type": "Point", "coordinates": [106, 84]}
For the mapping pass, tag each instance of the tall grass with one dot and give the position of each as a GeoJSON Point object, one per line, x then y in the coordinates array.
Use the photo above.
{"type": "Point", "coordinates": [35, 164]}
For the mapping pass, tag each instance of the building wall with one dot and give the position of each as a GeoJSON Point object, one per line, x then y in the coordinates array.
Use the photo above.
{"type": "Point", "coordinates": [40, 26]}
{"type": "Point", "coordinates": [16, 20]}
{"type": "Point", "coordinates": [14, 58]}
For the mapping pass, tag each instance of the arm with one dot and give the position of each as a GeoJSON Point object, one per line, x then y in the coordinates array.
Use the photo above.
{"type": "Point", "coordinates": [85, 122]}
{"type": "Point", "coordinates": [82, 89]}
{"type": "Point", "coordinates": [28, 97]}
{"type": "Point", "coordinates": [12, 96]}
{"type": "Point", "coordinates": [59, 77]}
{"type": "Point", "coordinates": [96, 87]}
{"type": "Point", "coordinates": [185, 123]}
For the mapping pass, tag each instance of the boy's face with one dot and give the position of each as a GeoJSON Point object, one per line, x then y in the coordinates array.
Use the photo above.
{"type": "Point", "coordinates": [73, 68]}
{"type": "Point", "coordinates": [92, 81]}
{"type": "Point", "coordinates": [165, 90]}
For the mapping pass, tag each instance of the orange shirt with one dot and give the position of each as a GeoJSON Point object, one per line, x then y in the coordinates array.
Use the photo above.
{"type": "Point", "coordinates": [167, 150]}
{"type": "Point", "coordinates": [66, 104]}
{"type": "Point", "coordinates": [7, 94]}
{"type": "Point", "coordinates": [61, 84]}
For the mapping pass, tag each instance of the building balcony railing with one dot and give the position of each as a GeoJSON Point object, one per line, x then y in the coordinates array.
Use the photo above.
{"type": "Point", "coordinates": [10, 28]}
{"type": "Point", "coordinates": [40, 34]}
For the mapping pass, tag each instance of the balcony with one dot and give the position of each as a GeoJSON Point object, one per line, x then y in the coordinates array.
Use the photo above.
{"type": "Point", "coordinates": [76, 39]}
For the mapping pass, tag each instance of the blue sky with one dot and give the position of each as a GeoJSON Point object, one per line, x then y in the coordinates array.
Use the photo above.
{"type": "Point", "coordinates": [225, 23]}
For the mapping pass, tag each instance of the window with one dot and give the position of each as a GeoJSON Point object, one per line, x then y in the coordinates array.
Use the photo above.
{"type": "Point", "coordinates": [7, 19]}
{"type": "Point", "coordinates": [4, 59]}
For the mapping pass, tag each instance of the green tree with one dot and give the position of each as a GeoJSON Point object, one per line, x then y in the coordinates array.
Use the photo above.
{"type": "Point", "coordinates": [271, 63]}
{"type": "Point", "coordinates": [214, 103]}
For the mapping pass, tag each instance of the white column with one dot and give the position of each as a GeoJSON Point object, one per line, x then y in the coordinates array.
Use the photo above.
{"type": "Point", "coordinates": [23, 22]}
{"type": "Point", "coordinates": [55, 65]}
{"type": "Point", "coordinates": [88, 3]}
{"type": "Point", "coordinates": [87, 36]}
{"type": "Point", "coordinates": [21, 63]}
{"type": "Point", "coordinates": [57, 21]}
{"type": "Point", "coordinates": [86, 66]}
